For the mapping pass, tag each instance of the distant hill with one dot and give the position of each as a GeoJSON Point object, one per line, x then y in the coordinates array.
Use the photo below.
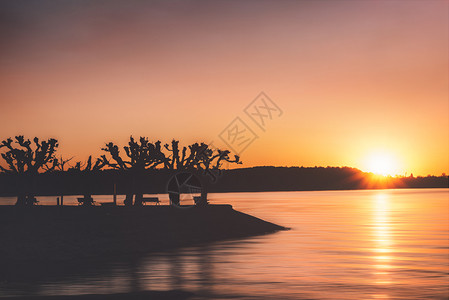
{"type": "Point", "coordinates": [235, 180]}
{"type": "Point", "coordinates": [316, 178]}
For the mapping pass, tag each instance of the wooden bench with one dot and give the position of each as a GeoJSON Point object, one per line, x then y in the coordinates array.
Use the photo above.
{"type": "Point", "coordinates": [31, 201]}
{"type": "Point", "coordinates": [197, 200]}
{"type": "Point", "coordinates": [86, 201]}
{"type": "Point", "coordinates": [146, 200]}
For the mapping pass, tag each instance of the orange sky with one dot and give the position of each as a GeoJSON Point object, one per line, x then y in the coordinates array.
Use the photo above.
{"type": "Point", "coordinates": [351, 77]}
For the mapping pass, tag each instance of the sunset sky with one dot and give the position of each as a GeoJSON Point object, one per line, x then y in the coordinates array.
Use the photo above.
{"type": "Point", "coordinates": [354, 79]}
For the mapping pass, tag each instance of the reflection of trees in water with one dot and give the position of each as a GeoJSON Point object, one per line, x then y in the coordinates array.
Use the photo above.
{"type": "Point", "coordinates": [134, 277]}
{"type": "Point", "coordinates": [176, 271]}
{"type": "Point", "coordinates": [206, 270]}
{"type": "Point", "coordinates": [190, 270]}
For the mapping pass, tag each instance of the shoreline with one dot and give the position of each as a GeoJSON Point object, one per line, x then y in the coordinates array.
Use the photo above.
{"type": "Point", "coordinates": [254, 179]}
{"type": "Point", "coordinates": [238, 191]}
{"type": "Point", "coordinates": [61, 233]}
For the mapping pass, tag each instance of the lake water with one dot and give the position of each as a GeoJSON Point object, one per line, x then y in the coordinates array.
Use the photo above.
{"type": "Point", "coordinates": [369, 244]}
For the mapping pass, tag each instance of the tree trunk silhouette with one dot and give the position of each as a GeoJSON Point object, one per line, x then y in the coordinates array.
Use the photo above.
{"type": "Point", "coordinates": [138, 187]}
{"type": "Point", "coordinates": [26, 196]}
{"type": "Point", "coordinates": [21, 193]}
{"type": "Point", "coordinates": [128, 199]}
{"type": "Point", "coordinates": [174, 198]}
{"type": "Point", "coordinates": [21, 199]}
{"type": "Point", "coordinates": [138, 201]}
{"type": "Point", "coordinates": [204, 189]}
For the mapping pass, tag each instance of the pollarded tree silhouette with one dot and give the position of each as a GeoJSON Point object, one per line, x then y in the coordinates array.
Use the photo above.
{"type": "Point", "coordinates": [25, 159]}
{"type": "Point", "coordinates": [140, 156]}
{"type": "Point", "coordinates": [198, 158]}
{"type": "Point", "coordinates": [87, 171]}
{"type": "Point", "coordinates": [60, 163]}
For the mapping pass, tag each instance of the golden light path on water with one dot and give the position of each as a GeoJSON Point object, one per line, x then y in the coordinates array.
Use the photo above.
{"type": "Point", "coordinates": [383, 240]}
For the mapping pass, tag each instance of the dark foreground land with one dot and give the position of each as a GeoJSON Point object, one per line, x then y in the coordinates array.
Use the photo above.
{"type": "Point", "coordinates": [56, 241]}
{"type": "Point", "coordinates": [153, 295]}
{"type": "Point", "coordinates": [58, 233]}
{"type": "Point", "coordinates": [46, 237]}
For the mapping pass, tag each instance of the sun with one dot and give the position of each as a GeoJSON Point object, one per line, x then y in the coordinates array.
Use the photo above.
{"type": "Point", "coordinates": [382, 163]}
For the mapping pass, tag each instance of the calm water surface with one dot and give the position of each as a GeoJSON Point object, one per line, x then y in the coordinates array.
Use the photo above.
{"type": "Point", "coordinates": [371, 244]}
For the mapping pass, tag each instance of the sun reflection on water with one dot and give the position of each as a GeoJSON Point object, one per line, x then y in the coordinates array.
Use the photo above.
{"type": "Point", "coordinates": [382, 239]}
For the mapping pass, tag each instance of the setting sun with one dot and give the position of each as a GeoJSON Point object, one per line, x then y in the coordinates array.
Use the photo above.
{"type": "Point", "coordinates": [382, 163]}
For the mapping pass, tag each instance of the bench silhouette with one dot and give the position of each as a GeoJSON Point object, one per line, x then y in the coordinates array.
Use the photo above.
{"type": "Point", "coordinates": [197, 200]}
{"type": "Point", "coordinates": [86, 201]}
{"type": "Point", "coordinates": [146, 200]}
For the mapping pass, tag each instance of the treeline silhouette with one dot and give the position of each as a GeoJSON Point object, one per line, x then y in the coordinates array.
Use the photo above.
{"type": "Point", "coordinates": [27, 162]}
{"type": "Point", "coordinates": [142, 167]}
{"type": "Point", "coordinates": [256, 179]}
